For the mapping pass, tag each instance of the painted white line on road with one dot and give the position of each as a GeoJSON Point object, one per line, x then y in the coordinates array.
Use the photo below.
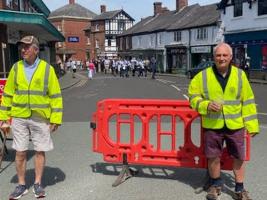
{"type": "Point", "coordinates": [176, 87]}
{"type": "Point", "coordinates": [185, 96]}
{"type": "Point", "coordinates": [161, 80]}
{"type": "Point", "coordinates": [265, 127]}
{"type": "Point", "coordinates": [265, 114]}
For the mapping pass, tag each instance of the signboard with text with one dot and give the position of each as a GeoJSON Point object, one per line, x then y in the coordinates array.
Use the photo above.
{"type": "Point", "coordinates": [73, 39]}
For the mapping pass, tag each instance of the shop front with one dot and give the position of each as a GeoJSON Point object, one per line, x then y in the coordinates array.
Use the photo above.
{"type": "Point", "coordinates": [176, 59]}
{"type": "Point", "coordinates": [14, 25]}
{"type": "Point", "coordinates": [200, 54]}
{"type": "Point", "coordinates": [249, 44]}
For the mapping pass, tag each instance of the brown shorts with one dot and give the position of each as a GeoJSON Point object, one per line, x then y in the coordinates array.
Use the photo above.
{"type": "Point", "coordinates": [235, 143]}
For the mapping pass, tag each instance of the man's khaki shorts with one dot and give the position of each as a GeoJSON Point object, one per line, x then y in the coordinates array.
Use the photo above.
{"type": "Point", "coordinates": [35, 128]}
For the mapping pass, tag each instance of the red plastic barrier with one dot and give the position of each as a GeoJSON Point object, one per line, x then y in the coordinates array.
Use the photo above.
{"type": "Point", "coordinates": [149, 113]}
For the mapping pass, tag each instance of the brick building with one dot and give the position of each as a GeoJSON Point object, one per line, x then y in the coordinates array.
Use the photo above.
{"type": "Point", "coordinates": [20, 18]}
{"type": "Point", "coordinates": [103, 31]}
{"type": "Point", "coordinates": [71, 20]}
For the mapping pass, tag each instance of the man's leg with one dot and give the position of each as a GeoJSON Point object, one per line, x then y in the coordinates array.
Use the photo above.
{"type": "Point", "coordinates": [214, 167]}
{"type": "Point", "coordinates": [39, 166]}
{"type": "Point", "coordinates": [21, 166]}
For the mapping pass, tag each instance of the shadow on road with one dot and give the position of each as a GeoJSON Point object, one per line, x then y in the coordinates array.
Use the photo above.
{"type": "Point", "coordinates": [51, 176]}
{"type": "Point", "coordinates": [195, 178]}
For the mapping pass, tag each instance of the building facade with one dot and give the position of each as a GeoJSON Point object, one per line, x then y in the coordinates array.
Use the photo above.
{"type": "Point", "coordinates": [71, 20]}
{"type": "Point", "coordinates": [104, 29]}
{"type": "Point", "coordinates": [179, 39]}
{"type": "Point", "coordinates": [20, 18]}
{"type": "Point", "coordinates": [246, 31]}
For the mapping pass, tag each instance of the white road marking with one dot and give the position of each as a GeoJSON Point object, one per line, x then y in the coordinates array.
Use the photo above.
{"type": "Point", "coordinates": [265, 114]}
{"type": "Point", "coordinates": [263, 127]}
{"type": "Point", "coordinates": [185, 96]}
{"type": "Point", "coordinates": [161, 80]}
{"type": "Point", "coordinates": [176, 87]}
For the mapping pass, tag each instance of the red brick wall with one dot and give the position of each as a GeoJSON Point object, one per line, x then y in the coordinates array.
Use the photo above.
{"type": "Point", "coordinates": [97, 35]}
{"type": "Point", "coordinates": [74, 28]}
{"type": "Point", "coordinates": [2, 4]}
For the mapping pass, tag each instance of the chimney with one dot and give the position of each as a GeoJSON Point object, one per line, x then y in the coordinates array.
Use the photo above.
{"type": "Point", "coordinates": [71, 1]}
{"type": "Point", "coordinates": [164, 9]}
{"type": "Point", "coordinates": [157, 8]}
{"type": "Point", "coordinates": [103, 8]}
{"type": "Point", "coordinates": [180, 4]}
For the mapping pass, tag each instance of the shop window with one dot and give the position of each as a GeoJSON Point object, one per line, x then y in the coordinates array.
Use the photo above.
{"type": "Point", "coordinates": [238, 8]}
{"type": "Point", "coordinates": [262, 7]}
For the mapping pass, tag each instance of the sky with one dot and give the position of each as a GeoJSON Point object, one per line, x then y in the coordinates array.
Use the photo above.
{"type": "Point", "coordinates": [137, 9]}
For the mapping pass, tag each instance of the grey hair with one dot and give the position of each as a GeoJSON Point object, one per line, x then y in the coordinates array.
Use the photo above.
{"type": "Point", "coordinates": [222, 44]}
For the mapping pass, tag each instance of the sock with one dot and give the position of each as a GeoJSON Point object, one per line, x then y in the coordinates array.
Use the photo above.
{"type": "Point", "coordinates": [216, 181]}
{"type": "Point", "coordinates": [239, 187]}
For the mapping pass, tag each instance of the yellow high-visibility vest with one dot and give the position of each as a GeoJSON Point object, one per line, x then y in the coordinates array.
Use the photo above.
{"type": "Point", "coordinates": [41, 95]}
{"type": "Point", "coordinates": [239, 108]}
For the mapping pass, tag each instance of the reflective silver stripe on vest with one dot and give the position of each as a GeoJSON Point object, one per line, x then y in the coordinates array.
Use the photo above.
{"type": "Point", "coordinates": [239, 83]}
{"type": "Point", "coordinates": [205, 83]}
{"type": "Point", "coordinates": [7, 95]}
{"type": "Point", "coordinates": [57, 110]}
{"type": "Point", "coordinates": [47, 70]}
{"type": "Point", "coordinates": [221, 116]}
{"type": "Point", "coordinates": [21, 105]}
{"type": "Point", "coordinates": [250, 101]}
{"type": "Point", "coordinates": [31, 92]}
{"type": "Point", "coordinates": [232, 116]}
{"type": "Point", "coordinates": [231, 102]}
{"type": "Point", "coordinates": [214, 116]}
{"type": "Point", "coordinates": [5, 108]}
{"type": "Point", "coordinates": [55, 96]}
{"type": "Point", "coordinates": [16, 75]}
{"type": "Point", "coordinates": [251, 117]}
{"type": "Point", "coordinates": [198, 102]}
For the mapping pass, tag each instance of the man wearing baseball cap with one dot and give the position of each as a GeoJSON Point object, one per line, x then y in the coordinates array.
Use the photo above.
{"type": "Point", "coordinates": [32, 98]}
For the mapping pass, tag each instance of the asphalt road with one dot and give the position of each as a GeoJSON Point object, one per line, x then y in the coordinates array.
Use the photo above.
{"type": "Point", "coordinates": [74, 172]}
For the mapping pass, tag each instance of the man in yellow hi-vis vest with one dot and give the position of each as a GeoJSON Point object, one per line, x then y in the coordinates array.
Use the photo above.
{"type": "Point", "coordinates": [32, 98]}
{"type": "Point", "coordinates": [224, 98]}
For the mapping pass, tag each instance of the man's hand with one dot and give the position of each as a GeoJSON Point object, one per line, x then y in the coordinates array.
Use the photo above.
{"type": "Point", "coordinates": [5, 127]}
{"type": "Point", "coordinates": [53, 127]}
{"type": "Point", "coordinates": [214, 106]}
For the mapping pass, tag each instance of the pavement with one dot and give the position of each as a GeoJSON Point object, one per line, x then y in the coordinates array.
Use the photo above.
{"type": "Point", "coordinates": [67, 81]}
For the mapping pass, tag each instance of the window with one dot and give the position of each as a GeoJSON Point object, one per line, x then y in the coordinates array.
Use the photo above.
{"type": "Point", "coordinates": [262, 7]}
{"type": "Point", "coordinates": [177, 36]}
{"type": "Point", "coordinates": [96, 27]}
{"type": "Point", "coordinates": [109, 42]}
{"type": "Point", "coordinates": [59, 28]}
{"type": "Point", "coordinates": [151, 40]}
{"type": "Point", "coordinates": [202, 33]}
{"type": "Point", "coordinates": [238, 8]}
{"type": "Point", "coordinates": [121, 25]}
{"type": "Point", "coordinates": [88, 41]}
{"type": "Point", "coordinates": [139, 41]}
{"type": "Point", "coordinates": [96, 44]}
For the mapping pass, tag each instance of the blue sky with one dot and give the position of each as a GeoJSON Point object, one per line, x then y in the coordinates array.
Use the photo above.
{"type": "Point", "coordinates": [135, 8]}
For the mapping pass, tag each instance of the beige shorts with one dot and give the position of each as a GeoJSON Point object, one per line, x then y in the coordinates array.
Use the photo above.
{"type": "Point", "coordinates": [31, 128]}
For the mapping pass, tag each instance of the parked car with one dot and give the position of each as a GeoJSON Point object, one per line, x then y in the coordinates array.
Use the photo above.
{"type": "Point", "coordinates": [203, 65]}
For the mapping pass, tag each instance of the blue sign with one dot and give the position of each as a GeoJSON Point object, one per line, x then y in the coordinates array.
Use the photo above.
{"type": "Point", "coordinates": [73, 39]}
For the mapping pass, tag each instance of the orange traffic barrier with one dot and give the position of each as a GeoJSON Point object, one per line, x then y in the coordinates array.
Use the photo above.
{"type": "Point", "coordinates": [132, 131]}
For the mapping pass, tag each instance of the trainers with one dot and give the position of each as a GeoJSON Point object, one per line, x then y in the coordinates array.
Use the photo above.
{"type": "Point", "coordinates": [213, 192]}
{"type": "Point", "coordinates": [19, 191]}
{"type": "Point", "coordinates": [38, 190]}
{"type": "Point", "coordinates": [243, 195]}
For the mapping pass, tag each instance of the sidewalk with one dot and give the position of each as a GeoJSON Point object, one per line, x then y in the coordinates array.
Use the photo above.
{"type": "Point", "coordinates": [66, 81]}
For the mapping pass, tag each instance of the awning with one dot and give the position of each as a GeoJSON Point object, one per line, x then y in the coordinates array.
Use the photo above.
{"type": "Point", "coordinates": [31, 23]}
{"type": "Point", "coordinates": [252, 37]}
